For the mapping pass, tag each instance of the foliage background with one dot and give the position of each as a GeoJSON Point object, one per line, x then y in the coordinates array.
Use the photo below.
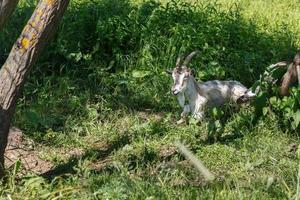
{"type": "Point", "coordinates": [102, 79]}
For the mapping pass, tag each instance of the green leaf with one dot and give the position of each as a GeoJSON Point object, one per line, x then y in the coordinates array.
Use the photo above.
{"type": "Point", "coordinates": [214, 63]}
{"type": "Point", "coordinates": [265, 111]}
{"type": "Point", "coordinates": [139, 73]}
{"type": "Point", "coordinates": [215, 112]}
{"type": "Point", "coordinates": [273, 100]}
{"type": "Point", "coordinates": [296, 118]}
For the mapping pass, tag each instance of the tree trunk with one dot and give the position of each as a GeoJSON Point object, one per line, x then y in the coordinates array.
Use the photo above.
{"type": "Point", "coordinates": [6, 8]}
{"type": "Point", "coordinates": [35, 35]}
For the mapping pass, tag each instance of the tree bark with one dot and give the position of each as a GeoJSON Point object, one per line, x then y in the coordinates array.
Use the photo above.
{"type": "Point", "coordinates": [6, 8]}
{"type": "Point", "coordinates": [35, 35]}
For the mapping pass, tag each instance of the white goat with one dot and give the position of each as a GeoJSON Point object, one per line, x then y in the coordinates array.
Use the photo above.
{"type": "Point", "coordinates": [206, 94]}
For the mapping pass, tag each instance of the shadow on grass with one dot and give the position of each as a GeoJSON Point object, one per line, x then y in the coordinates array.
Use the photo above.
{"type": "Point", "coordinates": [240, 122]}
{"type": "Point", "coordinates": [99, 153]}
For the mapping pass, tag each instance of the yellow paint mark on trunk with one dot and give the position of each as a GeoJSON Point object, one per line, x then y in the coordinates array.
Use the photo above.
{"type": "Point", "coordinates": [50, 2]}
{"type": "Point", "coordinates": [25, 43]}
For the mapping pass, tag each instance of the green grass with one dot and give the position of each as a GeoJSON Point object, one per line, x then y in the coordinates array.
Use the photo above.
{"type": "Point", "coordinates": [100, 86]}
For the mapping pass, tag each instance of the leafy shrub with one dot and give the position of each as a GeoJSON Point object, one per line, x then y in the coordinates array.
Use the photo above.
{"type": "Point", "coordinates": [286, 108]}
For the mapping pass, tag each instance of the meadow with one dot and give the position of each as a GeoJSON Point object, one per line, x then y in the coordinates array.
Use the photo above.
{"type": "Point", "coordinates": [100, 88]}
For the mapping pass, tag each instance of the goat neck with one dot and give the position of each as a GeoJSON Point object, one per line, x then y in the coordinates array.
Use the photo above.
{"type": "Point", "coordinates": [192, 91]}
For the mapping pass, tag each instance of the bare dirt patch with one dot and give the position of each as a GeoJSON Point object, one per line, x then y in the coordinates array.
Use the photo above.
{"type": "Point", "coordinates": [22, 149]}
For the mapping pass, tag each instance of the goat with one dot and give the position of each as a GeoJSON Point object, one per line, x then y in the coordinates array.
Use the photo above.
{"type": "Point", "coordinates": [292, 74]}
{"type": "Point", "coordinates": [289, 78]}
{"type": "Point", "coordinates": [205, 94]}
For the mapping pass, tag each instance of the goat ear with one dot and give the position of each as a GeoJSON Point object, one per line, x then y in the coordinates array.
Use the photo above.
{"type": "Point", "coordinates": [168, 71]}
{"type": "Point", "coordinates": [192, 72]}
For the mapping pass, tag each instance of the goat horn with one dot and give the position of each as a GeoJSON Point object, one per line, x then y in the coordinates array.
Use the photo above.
{"type": "Point", "coordinates": [178, 61]}
{"type": "Point", "coordinates": [282, 63]}
{"type": "Point", "coordinates": [189, 58]}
